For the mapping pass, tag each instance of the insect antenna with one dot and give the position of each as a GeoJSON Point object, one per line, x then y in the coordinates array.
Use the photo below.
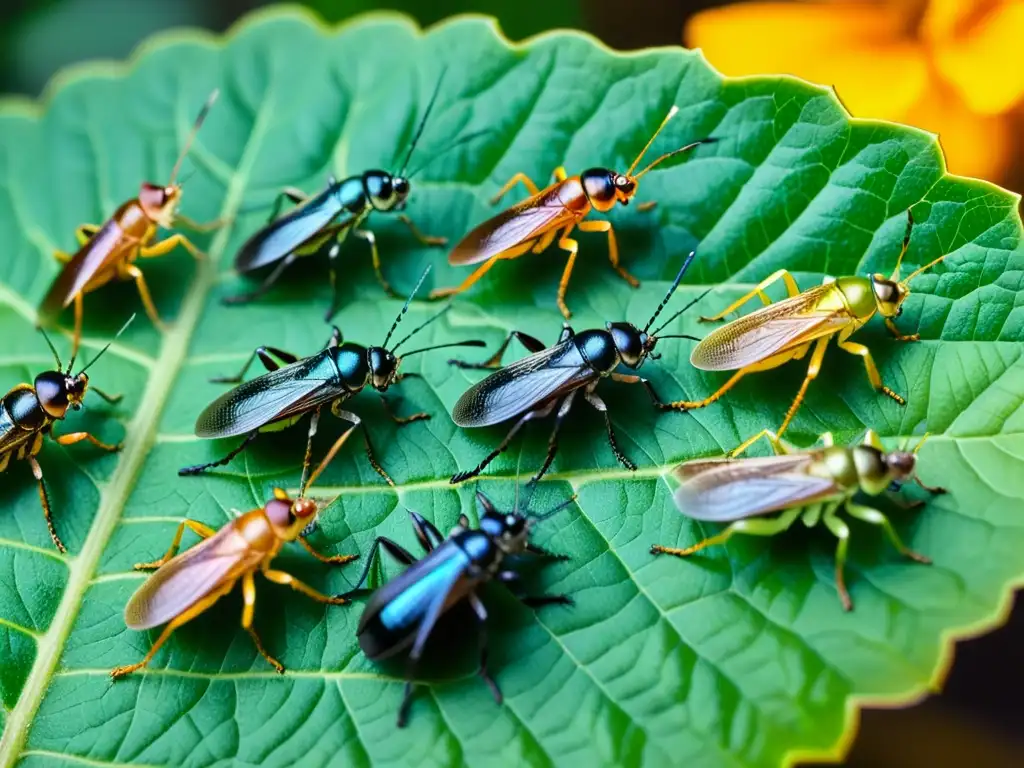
{"type": "Point", "coordinates": [671, 290]}
{"type": "Point", "coordinates": [468, 343]}
{"type": "Point", "coordinates": [99, 354]}
{"type": "Point", "coordinates": [926, 267]}
{"type": "Point", "coordinates": [424, 324]}
{"type": "Point", "coordinates": [422, 125]}
{"type": "Point", "coordinates": [673, 153]}
{"type": "Point", "coordinates": [669, 116]}
{"type": "Point", "coordinates": [405, 308]}
{"type": "Point", "coordinates": [550, 512]}
{"type": "Point", "coordinates": [455, 143]}
{"type": "Point", "coordinates": [60, 365]}
{"type": "Point", "coordinates": [195, 129]}
{"type": "Point", "coordinates": [895, 276]}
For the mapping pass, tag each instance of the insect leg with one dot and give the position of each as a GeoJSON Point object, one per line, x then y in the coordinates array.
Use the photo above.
{"type": "Point", "coordinates": [533, 549]}
{"type": "Point", "coordinates": [812, 372]}
{"type": "Point", "coordinates": [899, 335]}
{"type": "Point", "coordinates": [371, 239]}
{"type": "Point", "coordinates": [263, 651]}
{"type": "Point", "coordinates": [458, 477]}
{"type": "Point", "coordinates": [203, 531]}
{"type": "Point", "coordinates": [285, 578]}
{"type": "Point", "coordinates": [86, 232]}
{"type": "Point", "coordinates": [176, 622]}
{"type": "Point", "coordinates": [751, 527]}
{"type": "Point", "coordinates": [518, 178]}
{"type": "Point", "coordinates": [112, 399]}
{"type": "Point", "coordinates": [307, 459]}
{"type": "Point", "coordinates": [266, 285]}
{"type": "Point", "coordinates": [842, 532]}
{"type": "Point", "coordinates": [538, 601]}
{"type": "Point", "coordinates": [532, 345]}
{"type": "Point", "coordinates": [425, 239]}
{"type": "Point", "coordinates": [293, 194]}
{"type": "Point", "coordinates": [481, 615]}
{"type": "Point", "coordinates": [873, 516]}
{"type": "Point", "coordinates": [782, 274]}
{"type": "Point", "coordinates": [869, 363]}
{"type": "Point", "coordinates": [402, 420]}
{"type": "Point", "coordinates": [265, 355]}
{"type": "Point", "coordinates": [166, 246]}
{"type": "Point", "coordinates": [79, 311]}
{"type": "Point", "coordinates": [356, 422]}
{"type": "Point", "coordinates": [566, 243]}
{"type": "Point", "coordinates": [426, 532]}
{"type": "Point", "coordinates": [198, 468]}
{"type": "Point", "coordinates": [44, 500]}
{"type": "Point", "coordinates": [197, 226]}
{"type": "Point", "coordinates": [133, 272]}
{"type": "Point", "coordinates": [768, 435]}
{"type": "Point", "coordinates": [599, 404]}
{"type": "Point", "coordinates": [76, 437]}
{"type": "Point", "coordinates": [613, 247]}
{"type": "Point", "coordinates": [331, 559]}
{"type": "Point", "coordinates": [563, 411]}
{"type": "Point", "coordinates": [397, 551]}
{"type": "Point", "coordinates": [440, 293]}
{"type": "Point", "coordinates": [422, 635]}
{"type": "Point", "coordinates": [687, 405]}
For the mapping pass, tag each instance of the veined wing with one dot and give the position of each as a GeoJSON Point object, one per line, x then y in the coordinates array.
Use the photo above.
{"type": "Point", "coordinates": [103, 248]}
{"type": "Point", "coordinates": [731, 489]}
{"type": "Point", "coordinates": [768, 331]}
{"type": "Point", "coordinates": [548, 209]}
{"type": "Point", "coordinates": [284, 235]}
{"type": "Point", "coordinates": [518, 387]}
{"type": "Point", "coordinates": [11, 435]}
{"type": "Point", "coordinates": [278, 394]}
{"type": "Point", "coordinates": [177, 585]}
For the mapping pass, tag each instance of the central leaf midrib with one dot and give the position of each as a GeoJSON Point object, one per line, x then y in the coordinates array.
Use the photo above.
{"type": "Point", "coordinates": [140, 435]}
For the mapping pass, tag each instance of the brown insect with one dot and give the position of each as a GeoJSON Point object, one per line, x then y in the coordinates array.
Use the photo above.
{"type": "Point", "coordinates": [108, 252]}
{"type": "Point", "coordinates": [533, 224]}
{"type": "Point", "coordinates": [186, 585]}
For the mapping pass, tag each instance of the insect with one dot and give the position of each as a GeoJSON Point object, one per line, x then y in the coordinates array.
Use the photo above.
{"type": "Point", "coordinates": [550, 379]}
{"type": "Point", "coordinates": [812, 486]}
{"type": "Point", "coordinates": [804, 322]}
{"type": "Point", "coordinates": [29, 411]}
{"type": "Point", "coordinates": [186, 585]}
{"type": "Point", "coordinates": [329, 217]}
{"type": "Point", "coordinates": [109, 252]}
{"type": "Point", "coordinates": [561, 207]}
{"type": "Point", "coordinates": [404, 612]}
{"type": "Point", "coordinates": [280, 398]}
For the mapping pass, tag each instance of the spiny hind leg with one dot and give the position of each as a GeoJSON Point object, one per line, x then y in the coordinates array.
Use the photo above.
{"type": "Point", "coordinates": [687, 405]}
{"type": "Point", "coordinates": [873, 516]}
{"type": "Point", "coordinates": [869, 364]}
{"type": "Point", "coordinates": [842, 532]}
{"type": "Point", "coordinates": [566, 243]}
{"type": "Point", "coordinates": [202, 531]}
{"type": "Point", "coordinates": [532, 345]}
{"type": "Point", "coordinates": [176, 622]}
{"type": "Point", "coordinates": [44, 500]}
{"type": "Point", "coordinates": [133, 272]}
{"type": "Point", "coordinates": [813, 368]}
{"type": "Point", "coordinates": [266, 357]}
{"type": "Point", "coordinates": [511, 253]}
{"type": "Point", "coordinates": [751, 527]}
{"type": "Point", "coordinates": [791, 290]}
{"type": "Point", "coordinates": [613, 247]}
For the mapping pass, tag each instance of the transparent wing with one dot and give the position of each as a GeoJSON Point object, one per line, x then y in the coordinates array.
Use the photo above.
{"type": "Point", "coordinates": [518, 387]}
{"type": "Point", "coordinates": [180, 583]}
{"type": "Point", "coordinates": [267, 398]}
{"type": "Point", "coordinates": [731, 489]}
{"type": "Point", "coordinates": [522, 222]}
{"type": "Point", "coordinates": [284, 235]}
{"type": "Point", "coordinates": [768, 331]}
{"type": "Point", "coordinates": [103, 248]}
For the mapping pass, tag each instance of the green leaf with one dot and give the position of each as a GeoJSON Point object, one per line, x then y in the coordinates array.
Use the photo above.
{"type": "Point", "coordinates": [741, 657]}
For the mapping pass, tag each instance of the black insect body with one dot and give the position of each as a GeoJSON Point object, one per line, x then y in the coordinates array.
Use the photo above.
{"type": "Point", "coordinates": [29, 411]}
{"type": "Point", "coordinates": [401, 615]}
{"type": "Point", "coordinates": [551, 379]}
{"type": "Point", "coordinates": [278, 399]}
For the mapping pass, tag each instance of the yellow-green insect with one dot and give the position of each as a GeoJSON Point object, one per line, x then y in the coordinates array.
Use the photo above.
{"type": "Point", "coordinates": [804, 322]}
{"type": "Point", "coordinates": [812, 486]}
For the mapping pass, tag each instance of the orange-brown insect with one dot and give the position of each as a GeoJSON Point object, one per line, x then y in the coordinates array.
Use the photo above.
{"type": "Point", "coordinates": [804, 323]}
{"type": "Point", "coordinates": [108, 252]}
{"type": "Point", "coordinates": [534, 223]}
{"type": "Point", "coordinates": [187, 584]}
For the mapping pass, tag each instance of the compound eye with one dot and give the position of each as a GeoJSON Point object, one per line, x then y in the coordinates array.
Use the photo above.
{"type": "Point", "coordinates": [401, 187]}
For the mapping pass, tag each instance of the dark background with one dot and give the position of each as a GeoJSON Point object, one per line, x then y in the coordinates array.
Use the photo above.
{"type": "Point", "coordinates": [976, 719]}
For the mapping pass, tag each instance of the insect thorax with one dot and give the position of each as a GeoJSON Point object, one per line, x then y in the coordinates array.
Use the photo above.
{"type": "Point", "coordinates": [24, 409]}
{"type": "Point", "coordinates": [859, 295]}
{"type": "Point", "coordinates": [597, 347]}
{"type": "Point", "coordinates": [351, 195]}
{"type": "Point", "coordinates": [353, 368]}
